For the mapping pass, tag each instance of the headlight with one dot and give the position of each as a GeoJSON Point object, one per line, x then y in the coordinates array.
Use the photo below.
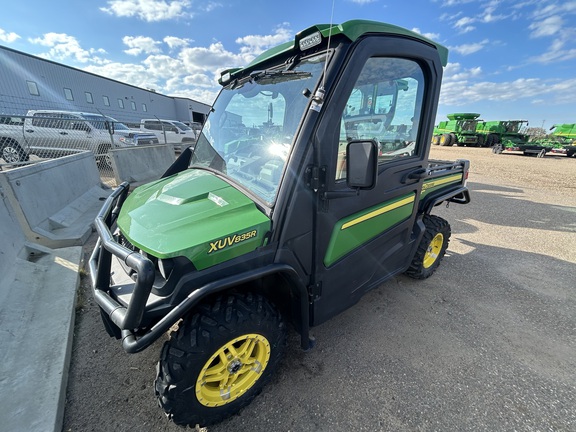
{"type": "Point", "coordinates": [128, 141]}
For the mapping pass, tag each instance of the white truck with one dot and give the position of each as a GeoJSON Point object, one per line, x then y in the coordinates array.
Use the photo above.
{"type": "Point", "coordinates": [169, 131]}
{"type": "Point", "coordinates": [55, 133]}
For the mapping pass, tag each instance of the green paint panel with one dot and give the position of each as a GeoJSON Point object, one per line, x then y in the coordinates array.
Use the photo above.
{"type": "Point", "coordinates": [354, 231]}
{"type": "Point", "coordinates": [193, 214]}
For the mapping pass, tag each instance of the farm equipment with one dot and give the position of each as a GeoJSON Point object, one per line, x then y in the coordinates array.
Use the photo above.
{"type": "Point", "coordinates": [563, 139]}
{"type": "Point", "coordinates": [460, 129]}
{"type": "Point", "coordinates": [505, 132]}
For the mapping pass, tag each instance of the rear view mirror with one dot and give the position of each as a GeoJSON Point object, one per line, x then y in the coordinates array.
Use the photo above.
{"type": "Point", "coordinates": [361, 164]}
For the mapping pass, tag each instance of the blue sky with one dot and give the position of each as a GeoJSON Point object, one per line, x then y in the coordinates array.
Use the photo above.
{"type": "Point", "coordinates": [508, 59]}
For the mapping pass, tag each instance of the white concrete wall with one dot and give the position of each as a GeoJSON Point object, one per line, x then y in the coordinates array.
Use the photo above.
{"type": "Point", "coordinates": [56, 201]}
{"type": "Point", "coordinates": [141, 164]}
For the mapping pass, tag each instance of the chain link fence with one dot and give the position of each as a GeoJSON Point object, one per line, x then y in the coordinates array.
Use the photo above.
{"type": "Point", "coordinates": [43, 135]}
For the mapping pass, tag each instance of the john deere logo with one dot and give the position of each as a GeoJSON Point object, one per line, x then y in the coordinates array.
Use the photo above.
{"type": "Point", "coordinates": [225, 242]}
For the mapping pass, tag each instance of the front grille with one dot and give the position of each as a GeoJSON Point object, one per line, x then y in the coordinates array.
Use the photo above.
{"type": "Point", "coordinates": [124, 242]}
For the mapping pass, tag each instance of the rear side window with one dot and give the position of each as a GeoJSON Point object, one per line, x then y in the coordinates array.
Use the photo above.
{"type": "Point", "coordinates": [47, 120]}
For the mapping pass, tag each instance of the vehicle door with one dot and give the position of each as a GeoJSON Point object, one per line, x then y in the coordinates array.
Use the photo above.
{"type": "Point", "coordinates": [172, 133]}
{"type": "Point", "coordinates": [45, 134]}
{"type": "Point", "coordinates": [365, 236]}
{"type": "Point", "coordinates": [77, 133]}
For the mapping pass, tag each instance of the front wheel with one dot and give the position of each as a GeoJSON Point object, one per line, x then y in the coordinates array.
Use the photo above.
{"type": "Point", "coordinates": [431, 249]}
{"type": "Point", "coordinates": [219, 359]}
{"type": "Point", "coordinates": [446, 140]}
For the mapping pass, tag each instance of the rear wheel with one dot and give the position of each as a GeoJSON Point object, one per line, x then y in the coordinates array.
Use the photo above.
{"type": "Point", "coordinates": [11, 151]}
{"type": "Point", "coordinates": [436, 140]}
{"type": "Point", "coordinates": [431, 249]}
{"type": "Point", "coordinates": [219, 359]}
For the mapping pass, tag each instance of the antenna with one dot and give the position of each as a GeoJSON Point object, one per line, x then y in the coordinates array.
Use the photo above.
{"type": "Point", "coordinates": [328, 46]}
{"type": "Point", "coordinates": [318, 98]}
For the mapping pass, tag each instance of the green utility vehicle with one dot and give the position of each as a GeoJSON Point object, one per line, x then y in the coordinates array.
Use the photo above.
{"type": "Point", "coordinates": [460, 129]}
{"type": "Point", "coordinates": [309, 185]}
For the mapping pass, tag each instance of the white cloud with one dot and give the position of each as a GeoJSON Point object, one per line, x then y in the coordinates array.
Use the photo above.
{"type": "Point", "coordinates": [256, 44]}
{"type": "Point", "coordinates": [130, 73]}
{"type": "Point", "coordinates": [164, 67]}
{"type": "Point", "coordinates": [176, 42]}
{"type": "Point", "coordinates": [431, 36]}
{"type": "Point", "coordinates": [8, 37]}
{"type": "Point", "coordinates": [149, 10]}
{"type": "Point", "coordinates": [467, 49]}
{"type": "Point", "coordinates": [204, 59]}
{"type": "Point", "coordinates": [547, 27]}
{"type": "Point", "coordinates": [210, 6]}
{"type": "Point", "coordinates": [551, 21]}
{"type": "Point", "coordinates": [463, 87]}
{"type": "Point", "coordinates": [140, 45]}
{"type": "Point", "coordinates": [447, 3]}
{"type": "Point", "coordinates": [63, 46]}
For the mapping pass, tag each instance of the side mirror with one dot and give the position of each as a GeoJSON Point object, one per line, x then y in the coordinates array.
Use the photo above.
{"type": "Point", "coordinates": [109, 126]}
{"type": "Point", "coordinates": [361, 164]}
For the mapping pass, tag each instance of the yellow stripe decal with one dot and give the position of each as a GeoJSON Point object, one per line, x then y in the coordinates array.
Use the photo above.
{"type": "Point", "coordinates": [433, 183]}
{"type": "Point", "coordinates": [378, 212]}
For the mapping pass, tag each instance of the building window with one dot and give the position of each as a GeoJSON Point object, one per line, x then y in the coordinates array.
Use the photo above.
{"type": "Point", "coordinates": [68, 94]}
{"type": "Point", "coordinates": [133, 104]}
{"type": "Point", "coordinates": [106, 100]}
{"type": "Point", "coordinates": [89, 97]}
{"type": "Point", "coordinates": [121, 103]}
{"type": "Point", "coordinates": [33, 88]}
{"type": "Point", "coordinates": [144, 108]}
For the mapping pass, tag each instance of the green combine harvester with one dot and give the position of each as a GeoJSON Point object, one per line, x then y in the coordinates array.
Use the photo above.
{"type": "Point", "coordinates": [460, 129]}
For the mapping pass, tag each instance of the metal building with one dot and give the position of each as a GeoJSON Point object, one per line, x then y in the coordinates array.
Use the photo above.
{"type": "Point", "coordinates": [30, 82]}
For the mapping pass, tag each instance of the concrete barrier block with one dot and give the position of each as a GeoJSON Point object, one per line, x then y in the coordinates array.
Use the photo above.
{"type": "Point", "coordinates": [138, 165]}
{"type": "Point", "coordinates": [55, 202]}
{"type": "Point", "coordinates": [37, 298]}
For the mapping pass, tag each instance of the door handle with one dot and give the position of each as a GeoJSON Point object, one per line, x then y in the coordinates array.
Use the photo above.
{"type": "Point", "coordinates": [29, 130]}
{"type": "Point", "coordinates": [63, 133]}
{"type": "Point", "coordinates": [418, 174]}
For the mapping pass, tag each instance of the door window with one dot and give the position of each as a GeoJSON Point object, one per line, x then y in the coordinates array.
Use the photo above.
{"type": "Point", "coordinates": [384, 106]}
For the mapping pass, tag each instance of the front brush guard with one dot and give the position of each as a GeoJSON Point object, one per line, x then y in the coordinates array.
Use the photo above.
{"type": "Point", "coordinates": [129, 318]}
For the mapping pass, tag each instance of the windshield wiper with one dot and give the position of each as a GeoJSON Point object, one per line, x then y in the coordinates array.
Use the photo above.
{"type": "Point", "coordinates": [273, 77]}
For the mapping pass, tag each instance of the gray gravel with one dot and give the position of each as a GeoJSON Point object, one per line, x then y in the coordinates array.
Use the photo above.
{"type": "Point", "coordinates": [488, 343]}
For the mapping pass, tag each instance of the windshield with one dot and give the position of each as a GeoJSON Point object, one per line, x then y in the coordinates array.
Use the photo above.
{"type": "Point", "coordinates": [99, 122]}
{"type": "Point", "coordinates": [249, 132]}
{"type": "Point", "coordinates": [182, 126]}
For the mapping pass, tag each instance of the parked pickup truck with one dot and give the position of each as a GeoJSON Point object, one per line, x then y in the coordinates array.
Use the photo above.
{"type": "Point", "coordinates": [53, 133]}
{"type": "Point", "coordinates": [168, 131]}
{"type": "Point", "coordinates": [309, 186]}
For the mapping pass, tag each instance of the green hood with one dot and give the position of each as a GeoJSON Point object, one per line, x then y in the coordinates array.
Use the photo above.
{"type": "Point", "coordinates": [193, 214]}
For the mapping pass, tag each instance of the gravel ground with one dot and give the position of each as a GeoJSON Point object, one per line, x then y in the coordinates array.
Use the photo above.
{"type": "Point", "coordinates": [487, 343]}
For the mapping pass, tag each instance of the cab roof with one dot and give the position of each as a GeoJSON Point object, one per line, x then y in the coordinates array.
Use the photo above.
{"type": "Point", "coordinates": [351, 29]}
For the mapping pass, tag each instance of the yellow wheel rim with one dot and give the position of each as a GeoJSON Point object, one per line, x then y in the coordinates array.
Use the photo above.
{"type": "Point", "coordinates": [433, 250]}
{"type": "Point", "coordinates": [232, 370]}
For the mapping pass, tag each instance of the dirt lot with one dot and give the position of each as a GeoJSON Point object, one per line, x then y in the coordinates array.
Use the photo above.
{"type": "Point", "coordinates": [487, 343]}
